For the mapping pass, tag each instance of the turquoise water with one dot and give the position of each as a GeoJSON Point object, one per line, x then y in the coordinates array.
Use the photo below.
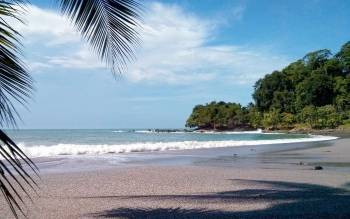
{"type": "Point", "coordinates": [39, 143]}
{"type": "Point", "coordinates": [115, 136]}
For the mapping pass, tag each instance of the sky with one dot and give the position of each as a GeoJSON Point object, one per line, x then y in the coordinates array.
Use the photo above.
{"type": "Point", "coordinates": [192, 52]}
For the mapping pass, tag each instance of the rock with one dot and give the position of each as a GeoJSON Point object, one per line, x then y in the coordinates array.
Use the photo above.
{"type": "Point", "coordinates": [301, 163]}
{"type": "Point", "coordinates": [318, 168]}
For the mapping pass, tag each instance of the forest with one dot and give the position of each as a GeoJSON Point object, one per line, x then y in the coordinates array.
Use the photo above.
{"type": "Point", "coordinates": [310, 93]}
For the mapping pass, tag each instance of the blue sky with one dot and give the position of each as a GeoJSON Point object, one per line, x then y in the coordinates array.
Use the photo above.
{"type": "Point", "coordinates": [192, 52]}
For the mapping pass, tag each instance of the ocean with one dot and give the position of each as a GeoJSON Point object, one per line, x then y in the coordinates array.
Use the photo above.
{"type": "Point", "coordinates": [98, 142]}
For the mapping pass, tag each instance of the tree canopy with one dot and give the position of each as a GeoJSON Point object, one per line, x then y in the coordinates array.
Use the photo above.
{"type": "Point", "coordinates": [218, 115]}
{"type": "Point", "coordinates": [313, 91]}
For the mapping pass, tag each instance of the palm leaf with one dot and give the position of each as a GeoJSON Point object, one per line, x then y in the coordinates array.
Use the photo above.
{"type": "Point", "coordinates": [15, 86]}
{"type": "Point", "coordinates": [110, 26]}
{"type": "Point", "coordinates": [15, 82]}
{"type": "Point", "coordinates": [14, 157]}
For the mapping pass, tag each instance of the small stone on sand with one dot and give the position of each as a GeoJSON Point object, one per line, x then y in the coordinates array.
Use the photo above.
{"type": "Point", "coordinates": [318, 168]}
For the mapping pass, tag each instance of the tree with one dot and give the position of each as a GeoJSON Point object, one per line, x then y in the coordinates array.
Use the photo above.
{"type": "Point", "coordinates": [296, 72]}
{"type": "Point", "coordinates": [314, 60]}
{"type": "Point", "coordinates": [344, 57]}
{"type": "Point", "coordinates": [308, 116]}
{"type": "Point", "coordinates": [200, 117]}
{"type": "Point", "coordinates": [287, 120]}
{"type": "Point", "coordinates": [333, 67]}
{"type": "Point", "coordinates": [254, 116]}
{"type": "Point", "coordinates": [327, 117]}
{"type": "Point", "coordinates": [218, 116]}
{"type": "Point", "coordinates": [283, 100]}
{"type": "Point", "coordinates": [315, 90]}
{"type": "Point", "coordinates": [110, 28]}
{"type": "Point", "coordinates": [342, 91]}
{"type": "Point", "coordinates": [271, 119]}
{"type": "Point", "coordinates": [320, 117]}
{"type": "Point", "coordinates": [264, 89]}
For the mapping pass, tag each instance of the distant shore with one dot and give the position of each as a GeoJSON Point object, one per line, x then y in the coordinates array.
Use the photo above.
{"type": "Point", "coordinates": [333, 132]}
{"type": "Point", "coordinates": [339, 132]}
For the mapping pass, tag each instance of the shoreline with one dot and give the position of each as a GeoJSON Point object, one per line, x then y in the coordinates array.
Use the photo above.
{"type": "Point", "coordinates": [192, 192]}
{"type": "Point", "coordinates": [343, 133]}
{"type": "Point", "coordinates": [178, 157]}
{"type": "Point", "coordinates": [260, 182]}
{"type": "Point", "coordinates": [186, 142]}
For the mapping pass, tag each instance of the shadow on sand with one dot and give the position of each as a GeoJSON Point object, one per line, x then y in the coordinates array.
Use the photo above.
{"type": "Point", "coordinates": [289, 200]}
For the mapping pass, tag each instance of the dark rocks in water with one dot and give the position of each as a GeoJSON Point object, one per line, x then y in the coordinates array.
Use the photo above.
{"type": "Point", "coordinates": [318, 168]}
{"type": "Point", "coordinates": [169, 130]}
{"type": "Point", "coordinates": [225, 129]}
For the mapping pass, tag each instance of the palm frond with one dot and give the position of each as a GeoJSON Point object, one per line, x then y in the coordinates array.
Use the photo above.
{"type": "Point", "coordinates": [110, 26]}
{"type": "Point", "coordinates": [15, 86]}
{"type": "Point", "coordinates": [15, 81]}
{"type": "Point", "coordinates": [18, 177]}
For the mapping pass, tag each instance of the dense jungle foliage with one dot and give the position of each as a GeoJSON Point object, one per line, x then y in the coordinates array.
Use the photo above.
{"type": "Point", "coordinates": [311, 93]}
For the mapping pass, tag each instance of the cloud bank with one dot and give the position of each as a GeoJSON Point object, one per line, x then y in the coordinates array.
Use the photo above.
{"type": "Point", "coordinates": [177, 48]}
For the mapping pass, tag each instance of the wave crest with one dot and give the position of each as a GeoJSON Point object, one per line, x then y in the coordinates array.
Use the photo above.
{"type": "Point", "coordinates": [85, 149]}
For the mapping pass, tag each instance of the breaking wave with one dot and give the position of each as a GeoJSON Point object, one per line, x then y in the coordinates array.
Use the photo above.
{"type": "Point", "coordinates": [86, 149]}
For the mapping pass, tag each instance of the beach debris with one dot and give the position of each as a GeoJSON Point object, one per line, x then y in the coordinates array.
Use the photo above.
{"type": "Point", "coordinates": [318, 168]}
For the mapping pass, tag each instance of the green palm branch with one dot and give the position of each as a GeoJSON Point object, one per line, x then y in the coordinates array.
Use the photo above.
{"type": "Point", "coordinates": [110, 27]}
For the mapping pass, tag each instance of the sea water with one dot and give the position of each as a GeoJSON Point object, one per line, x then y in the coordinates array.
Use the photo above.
{"type": "Point", "coordinates": [95, 142]}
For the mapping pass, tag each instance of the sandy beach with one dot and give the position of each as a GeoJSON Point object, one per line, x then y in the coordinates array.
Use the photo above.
{"type": "Point", "coordinates": [278, 183]}
{"type": "Point", "coordinates": [174, 109]}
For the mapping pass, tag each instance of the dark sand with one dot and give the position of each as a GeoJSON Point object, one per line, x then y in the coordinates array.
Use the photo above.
{"type": "Point", "coordinates": [269, 184]}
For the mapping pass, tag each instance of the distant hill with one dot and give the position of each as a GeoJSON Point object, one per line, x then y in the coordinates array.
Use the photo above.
{"type": "Point", "coordinates": [311, 93]}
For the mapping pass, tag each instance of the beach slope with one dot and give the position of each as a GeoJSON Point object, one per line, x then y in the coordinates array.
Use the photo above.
{"type": "Point", "coordinates": [280, 184]}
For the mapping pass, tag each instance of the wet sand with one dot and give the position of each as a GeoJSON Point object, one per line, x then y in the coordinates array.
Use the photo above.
{"type": "Point", "coordinates": [261, 184]}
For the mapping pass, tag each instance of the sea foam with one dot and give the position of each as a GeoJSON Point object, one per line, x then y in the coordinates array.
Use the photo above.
{"type": "Point", "coordinates": [98, 149]}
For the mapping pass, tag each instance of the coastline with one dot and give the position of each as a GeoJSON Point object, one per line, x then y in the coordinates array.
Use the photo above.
{"type": "Point", "coordinates": [337, 132]}
{"type": "Point", "coordinates": [279, 181]}
{"type": "Point", "coordinates": [341, 133]}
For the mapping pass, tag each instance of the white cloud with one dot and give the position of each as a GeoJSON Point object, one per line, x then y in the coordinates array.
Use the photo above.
{"type": "Point", "coordinates": [51, 31]}
{"type": "Point", "coordinates": [177, 48]}
{"type": "Point", "coordinates": [45, 24]}
{"type": "Point", "coordinates": [82, 59]}
{"type": "Point", "coordinates": [37, 66]}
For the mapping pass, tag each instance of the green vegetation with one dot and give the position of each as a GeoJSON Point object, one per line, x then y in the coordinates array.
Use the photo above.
{"type": "Point", "coordinates": [311, 93]}
{"type": "Point", "coordinates": [219, 115]}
